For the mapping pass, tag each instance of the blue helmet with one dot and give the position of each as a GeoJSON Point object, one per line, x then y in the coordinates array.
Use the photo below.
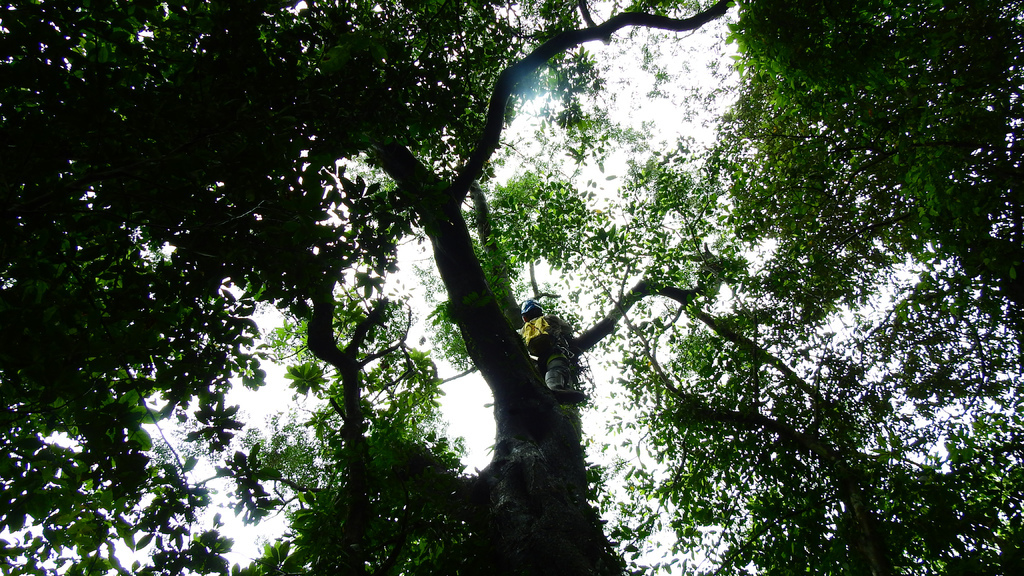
{"type": "Point", "coordinates": [531, 308]}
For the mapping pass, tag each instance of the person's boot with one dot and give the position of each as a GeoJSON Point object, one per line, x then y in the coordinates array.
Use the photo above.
{"type": "Point", "coordinates": [556, 378]}
{"type": "Point", "coordinates": [569, 396]}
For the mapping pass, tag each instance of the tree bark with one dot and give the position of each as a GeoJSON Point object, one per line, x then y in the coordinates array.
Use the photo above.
{"type": "Point", "coordinates": [501, 282]}
{"type": "Point", "coordinates": [536, 483]}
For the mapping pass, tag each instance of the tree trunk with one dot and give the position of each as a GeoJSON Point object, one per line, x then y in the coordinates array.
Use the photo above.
{"type": "Point", "coordinates": [540, 520]}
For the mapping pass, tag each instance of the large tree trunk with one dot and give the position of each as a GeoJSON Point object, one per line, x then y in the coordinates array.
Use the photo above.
{"type": "Point", "coordinates": [536, 486]}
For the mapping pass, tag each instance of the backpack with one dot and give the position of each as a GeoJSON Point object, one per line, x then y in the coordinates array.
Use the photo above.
{"type": "Point", "coordinates": [538, 338]}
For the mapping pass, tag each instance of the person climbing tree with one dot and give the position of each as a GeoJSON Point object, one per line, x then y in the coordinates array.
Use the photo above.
{"type": "Point", "coordinates": [547, 337]}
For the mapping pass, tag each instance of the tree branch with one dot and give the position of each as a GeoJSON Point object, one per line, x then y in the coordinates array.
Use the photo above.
{"type": "Point", "coordinates": [870, 543]}
{"type": "Point", "coordinates": [321, 342]}
{"type": "Point", "coordinates": [685, 297]}
{"type": "Point", "coordinates": [606, 326]}
{"type": "Point", "coordinates": [320, 331]}
{"type": "Point", "coordinates": [460, 375]}
{"type": "Point", "coordinates": [295, 486]}
{"type": "Point", "coordinates": [511, 78]}
{"type": "Point", "coordinates": [337, 408]}
{"type": "Point", "coordinates": [760, 353]}
{"type": "Point", "coordinates": [403, 167]}
{"type": "Point", "coordinates": [372, 320]}
{"type": "Point", "coordinates": [533, 280]}
{"type": "Point", "coordinates": [380, 353]}
{"type": "Point", "coordinates": [872, 227]}
{"type": "Point", "coordinates": [585, 12]}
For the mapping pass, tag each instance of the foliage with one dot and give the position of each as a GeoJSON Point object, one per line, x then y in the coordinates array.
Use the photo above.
{"type": "Point", "coordinates": [411, 469]}
{"type": "Point", "coordinates": [812, 331]}
{"type": "Point", "coordinates": [908, 148]}
{"type": "Point", "coordinates": [160, 153]}
{"type": "Point", "coordinates": [870, 360]}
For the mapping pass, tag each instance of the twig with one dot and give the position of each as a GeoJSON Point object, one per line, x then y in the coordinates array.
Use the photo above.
{"type": "Point", "coordinates": [457, 376]}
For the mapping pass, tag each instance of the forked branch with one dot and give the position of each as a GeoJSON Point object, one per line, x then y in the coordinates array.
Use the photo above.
{"type": "Point", "coordinates": [848, 479]}
{"type": "Point", "coordinates": [511, 78]}
{"type": "Point", "coordinates": [606, 326]}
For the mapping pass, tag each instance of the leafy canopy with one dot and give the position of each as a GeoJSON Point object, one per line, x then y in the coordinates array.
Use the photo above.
{"type": "Point", "coordinates": [817, 362]}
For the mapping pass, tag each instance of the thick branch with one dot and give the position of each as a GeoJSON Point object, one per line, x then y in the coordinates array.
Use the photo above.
{"type": "Point", "coordinates": [405, 169]}
{"type": "Point", "coordinates": [606, 326]}
{"type": "Point", "coordinates": [399, 345]}
{"type": "Point", "coordinates": [870, 543]}
{"type": "Point", "coordinates": [474, 306]}
{"type": "Point", "coordinates": [585, 12]}
{"type": "Point", "coordinates": [320, 333]}
{"type": "Point", "coordinates": [511, 78]}
{"type": "Point", "coordinates": [321, 342]}
{"type": "Point", "coordinates": [372, 320]}
{"type": "Point", "coordinates": [761, 355]}
{"type": "Point", "coordinates": [381, 353]}
{"type": "Point", "coordinates": [460, 375]}
{"type": "Point", "coordinates": [754, 420]}
{"type": "Point", "coordinates": [685, 297]}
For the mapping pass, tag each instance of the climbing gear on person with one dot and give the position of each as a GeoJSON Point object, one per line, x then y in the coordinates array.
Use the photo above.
{"type": "Point", "coordinates": [546, 338]}
{"type": "Point", "coordinates": [536, 335]}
